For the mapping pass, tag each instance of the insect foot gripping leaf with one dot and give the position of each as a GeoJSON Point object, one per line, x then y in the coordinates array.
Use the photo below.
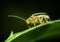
{"type": "Point", "coordinates": [43, 32]}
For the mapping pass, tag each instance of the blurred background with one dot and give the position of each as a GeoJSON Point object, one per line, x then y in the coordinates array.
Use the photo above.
{"type": "Point", "coordinates": [24, 9]}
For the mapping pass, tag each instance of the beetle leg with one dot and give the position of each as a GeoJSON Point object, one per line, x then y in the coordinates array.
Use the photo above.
{"type": "Point", "coordinates": [46, 20]}
{"type": "Point", "coordinates": [34, 24]}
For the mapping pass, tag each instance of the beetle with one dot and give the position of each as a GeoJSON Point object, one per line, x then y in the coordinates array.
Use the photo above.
{"type": "Point", "coordinates": [36, 18]}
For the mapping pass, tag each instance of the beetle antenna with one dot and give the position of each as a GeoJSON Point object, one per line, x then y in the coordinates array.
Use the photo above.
{"type": "Point", "coordinates": [18, 18]}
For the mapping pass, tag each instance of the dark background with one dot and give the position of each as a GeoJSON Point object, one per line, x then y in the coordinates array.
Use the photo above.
{"type": "Point", "coordinates": [24, 9]}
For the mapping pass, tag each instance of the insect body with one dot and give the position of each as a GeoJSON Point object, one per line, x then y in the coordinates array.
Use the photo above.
{"type": "Point", "coordinates": [36, 18]}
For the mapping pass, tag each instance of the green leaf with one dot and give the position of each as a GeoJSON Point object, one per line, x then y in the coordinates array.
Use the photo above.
{"type": "Point", "coordinates": [40, 32]}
